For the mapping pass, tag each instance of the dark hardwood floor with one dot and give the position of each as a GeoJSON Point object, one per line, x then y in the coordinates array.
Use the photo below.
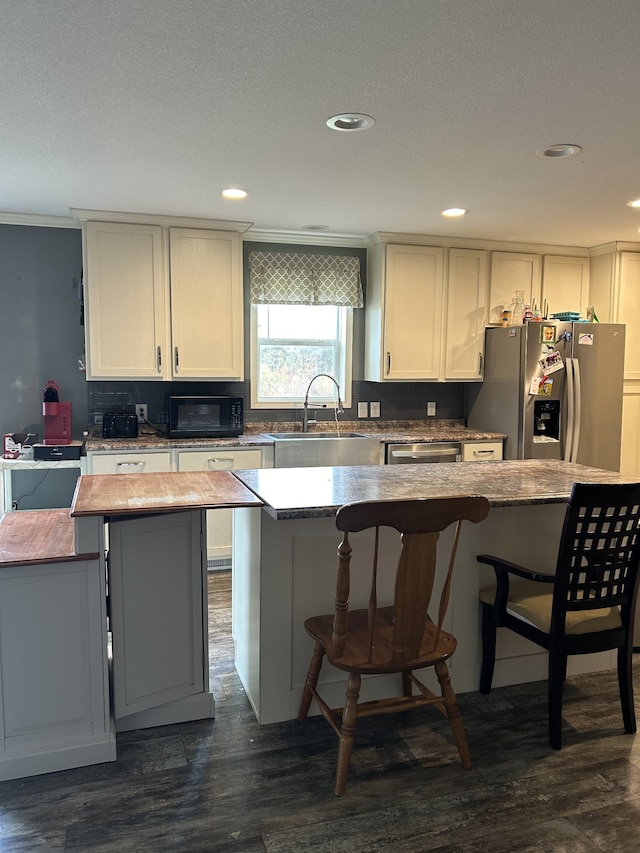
{"type": "Point", "coordinates": [230, 785]}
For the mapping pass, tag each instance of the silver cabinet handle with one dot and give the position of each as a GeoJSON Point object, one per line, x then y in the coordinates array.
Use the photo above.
{"type": "Point", "coordinates": [484, 452]}
{"type": "Point", "coordinates": [159, 359]}
{"type": "Point", "coordinates": [137, 466]}
{"type": "Point", "coordinates": [223, 463]}
{"type": "Point", "coordinates": [388, 363]}
{"type": "Point", "coordinates": [176, 359]}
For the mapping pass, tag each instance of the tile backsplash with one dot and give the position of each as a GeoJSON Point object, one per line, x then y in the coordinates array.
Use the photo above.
{"type": "Point", "coordinates": [398, 400]}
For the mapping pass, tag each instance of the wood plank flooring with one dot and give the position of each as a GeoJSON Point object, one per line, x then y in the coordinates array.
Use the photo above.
{"type": "Point", "coordinates": [230, 785]}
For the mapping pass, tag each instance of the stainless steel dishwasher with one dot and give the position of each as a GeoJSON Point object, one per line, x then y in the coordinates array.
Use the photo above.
{"type": "Point", "coordinates": [424, 452]}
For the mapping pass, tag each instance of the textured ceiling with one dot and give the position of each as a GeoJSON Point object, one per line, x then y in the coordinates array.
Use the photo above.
{"type": "Point", "coordinates": [154, 106]}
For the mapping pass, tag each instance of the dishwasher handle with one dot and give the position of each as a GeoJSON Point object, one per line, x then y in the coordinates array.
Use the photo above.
{"type": "Point", "coordinates": [427, 454]}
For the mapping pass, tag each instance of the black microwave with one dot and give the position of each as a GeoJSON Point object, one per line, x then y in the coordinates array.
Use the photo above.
{"type": "Point", "coordinates": [204, 417]}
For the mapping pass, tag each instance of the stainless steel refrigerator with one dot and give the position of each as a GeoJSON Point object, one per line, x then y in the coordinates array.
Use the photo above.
{"type": "Point", "coordinates": [555, 389]}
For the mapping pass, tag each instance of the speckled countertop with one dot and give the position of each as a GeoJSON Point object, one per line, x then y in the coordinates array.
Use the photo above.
{"type": "Point", "coordinates": [256, 435]}
{"type": "Point", "coordinates": [290, 493]}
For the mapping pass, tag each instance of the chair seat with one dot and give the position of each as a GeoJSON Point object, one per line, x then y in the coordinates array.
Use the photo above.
{"type": "Point", "coordinates": [357, 654]}
{"type": "Point", "coordinates": [531, 601]}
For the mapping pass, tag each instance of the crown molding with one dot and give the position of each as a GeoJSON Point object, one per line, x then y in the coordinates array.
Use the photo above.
{"type": "Point", "coordinates": [82, 215]}
{"type": "Point", "coordinates": [39, 220]}
{"type": "Point", "coordinates": [383, 237]}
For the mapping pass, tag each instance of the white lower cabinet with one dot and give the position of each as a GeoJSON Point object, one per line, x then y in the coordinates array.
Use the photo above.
{"type": "Point", "coordinates": [481, 451]}
{"type": "Point", "coordinates": [54, 695]}
{"type": "Point", "coordinates": [129, 462]}
{"type": "Point", "coordinates": [158, 613]}
{"type": "Point", "coordinates": [219, 521]}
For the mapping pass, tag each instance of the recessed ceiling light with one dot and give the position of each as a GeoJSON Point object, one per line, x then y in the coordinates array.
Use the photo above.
{"type": "Point", "coordinates": [634, 203]}
{"type": "Point", "coordinates": [350, 121]}
{"type": "Point", "coordinates": [455, 211]}
{"type": "Point", "coordinates": [234, 192]}
{"type": "Point", "coordinates": [316, 227]}
{"type": "Point", "coordinates": [560, 149]}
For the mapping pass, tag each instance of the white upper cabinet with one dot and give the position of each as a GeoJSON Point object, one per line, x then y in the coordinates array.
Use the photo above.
{"type": "Point", "coordinates": [404, 314]}
{"type": "Point", "coordinates": [419, 327]}
{"type": "Point", "coordinates": [466, 315]}
{"type": "Point", "coordinates": [125, 301]}
{"type": "Point", "coordinates": [162, 302]}
{"type": "Point", "coordinates": [510, 272]}
{"type": "Point", "coordinates": [206, 305]}
{"type": "Point", "coordinates": [565, 284]}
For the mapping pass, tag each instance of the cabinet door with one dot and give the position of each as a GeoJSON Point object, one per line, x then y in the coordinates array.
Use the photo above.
{"type": "Point", "coordinates": [219, 521]}
{"type": "Point", "coordinates": [466, 314]}
{"type": "Point", "coordinates": [206, 305]}
{"type": "Point", "coordinates": [413, 312]}
{"type": "Point", "coordinates": [628, 311]}
{"type": "Point", "coordinates": [565, 284]}
{"type": "Point", "coordinates": [157, 615]}
{"type": "Point", "coordinates": [134, 462]}
{"type": "Point", "coordinates": [511, 271]}
{"type": "Point", "coordinates": [124, 292]}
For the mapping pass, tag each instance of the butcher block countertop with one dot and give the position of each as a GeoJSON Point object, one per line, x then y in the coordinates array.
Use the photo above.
{"type": "Point", "coordinates": [291, 493]}
{"type": "Point", "coordinates": [130, 494]}
{"type": "Point", "coordinates": [34, 537]}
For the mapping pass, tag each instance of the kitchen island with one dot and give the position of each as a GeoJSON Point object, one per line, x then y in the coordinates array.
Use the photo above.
{"type": "Point", "coordinates": [285, 566]}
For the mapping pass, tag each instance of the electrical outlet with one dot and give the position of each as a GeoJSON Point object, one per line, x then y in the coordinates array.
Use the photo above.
{"type": "Point", "coordinates": [363, 410]}
{"type": "Point", "coordinates": [374, 408]}
{"type": "Point", "coordinates": [141, 412]}
{"type": "Point", "coordinates": [431, 410]}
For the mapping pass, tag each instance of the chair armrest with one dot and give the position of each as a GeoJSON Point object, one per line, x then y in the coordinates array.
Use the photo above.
{"type": "Point", "coordinates": [501, 565]}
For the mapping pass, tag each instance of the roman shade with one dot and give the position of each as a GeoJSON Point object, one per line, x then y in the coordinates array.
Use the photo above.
{"type": "Point", "coordinates": [296, 278]}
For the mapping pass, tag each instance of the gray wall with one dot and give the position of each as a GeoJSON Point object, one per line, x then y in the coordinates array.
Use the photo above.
{"type": "Point", "coordinates": [41, 336]}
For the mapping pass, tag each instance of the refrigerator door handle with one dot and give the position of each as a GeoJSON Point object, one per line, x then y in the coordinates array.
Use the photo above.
{"type": "Point", "coordinates": [577, 390]}
{"type": "Point", "coordinates": [568, 450]}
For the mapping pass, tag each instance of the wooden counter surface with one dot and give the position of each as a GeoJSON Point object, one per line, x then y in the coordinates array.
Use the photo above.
{"type": "Point", "coordinates": [35, 537]}
{"type": "Point", "coordinates": [128, 494]}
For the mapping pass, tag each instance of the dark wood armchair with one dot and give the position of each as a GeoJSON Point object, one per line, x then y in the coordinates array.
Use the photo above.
{"type": "Point", "coordinates": [587, 606]}
{"type": "Point", "coordinates": [398, 638]}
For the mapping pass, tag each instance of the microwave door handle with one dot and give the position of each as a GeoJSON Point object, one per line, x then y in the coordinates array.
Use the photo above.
{"type": "Point", "coordinates": [577, 409]}
{"type": "Point", "coordinates": [570, 412]}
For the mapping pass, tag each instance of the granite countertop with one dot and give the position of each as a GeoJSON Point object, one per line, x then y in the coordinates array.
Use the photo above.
{"type": "Point", "coordinates": [257, 435]}
{"type": "Point", "coordinates": [290, 493]}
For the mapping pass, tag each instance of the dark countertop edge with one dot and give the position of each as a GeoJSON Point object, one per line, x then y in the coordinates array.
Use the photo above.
{"type": "Point", "coordinates": [330, 511]}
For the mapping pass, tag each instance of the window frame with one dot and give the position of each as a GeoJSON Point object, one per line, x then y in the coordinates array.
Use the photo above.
{"type": "Point", "coordinates": [344, 379]}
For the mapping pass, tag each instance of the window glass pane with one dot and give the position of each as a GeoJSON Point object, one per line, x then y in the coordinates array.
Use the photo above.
{"type": "Point", "coordinates": [298, 322]}
{"type": "Point", "coordinates": [285, 370]}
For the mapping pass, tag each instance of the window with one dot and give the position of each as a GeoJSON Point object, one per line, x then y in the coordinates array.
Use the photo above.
{"type": "Point", "coordinates": [290, 344]}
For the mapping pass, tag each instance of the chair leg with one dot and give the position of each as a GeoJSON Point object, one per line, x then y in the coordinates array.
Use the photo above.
{"type": "Point", "coordinates": [312, 680]}
{"type": "Point", "coordinates": [625, 683]}
{"type": "Point", "coordinates": [489, 629]}
{"type": "Point", "coordinates": [347, 729]}
{"type": "Point", "coordinates": [453, 714]}
{"type": "Point", "coordinates": [557, 673]}
{"type": "Point", "coordinates": [407, 685]}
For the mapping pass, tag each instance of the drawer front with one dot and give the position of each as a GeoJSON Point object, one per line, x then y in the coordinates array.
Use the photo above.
{"type": "Point", "coordinates": [129, 463]}
{"type": "Point", "coordinates": [219, 459]}
{"type": "Point", "coordinates": [482, 451]}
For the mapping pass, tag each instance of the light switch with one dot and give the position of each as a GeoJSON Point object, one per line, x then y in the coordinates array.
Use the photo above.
{"type": "Point", "coordinates": [374, 408]}
{"type": "Point", "coordinates": [363, 410]}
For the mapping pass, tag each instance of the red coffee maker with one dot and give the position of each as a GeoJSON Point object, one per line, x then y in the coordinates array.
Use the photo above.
{"type": "Point", "coordinates": [56, 415]}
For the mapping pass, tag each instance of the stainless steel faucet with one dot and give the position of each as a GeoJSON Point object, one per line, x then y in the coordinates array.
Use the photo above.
{"type": "Point", "coordinates": [305, 416]}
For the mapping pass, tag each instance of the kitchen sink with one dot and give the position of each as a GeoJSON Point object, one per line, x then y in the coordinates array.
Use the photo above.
{"type": "Point", "coordinates": [313, 449]}
{"type": "Point", "coordinates": [295, 436]}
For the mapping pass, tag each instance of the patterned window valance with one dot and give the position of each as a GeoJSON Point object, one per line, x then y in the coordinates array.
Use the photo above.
{"type": "Point", "coordinates": [290, 278]}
